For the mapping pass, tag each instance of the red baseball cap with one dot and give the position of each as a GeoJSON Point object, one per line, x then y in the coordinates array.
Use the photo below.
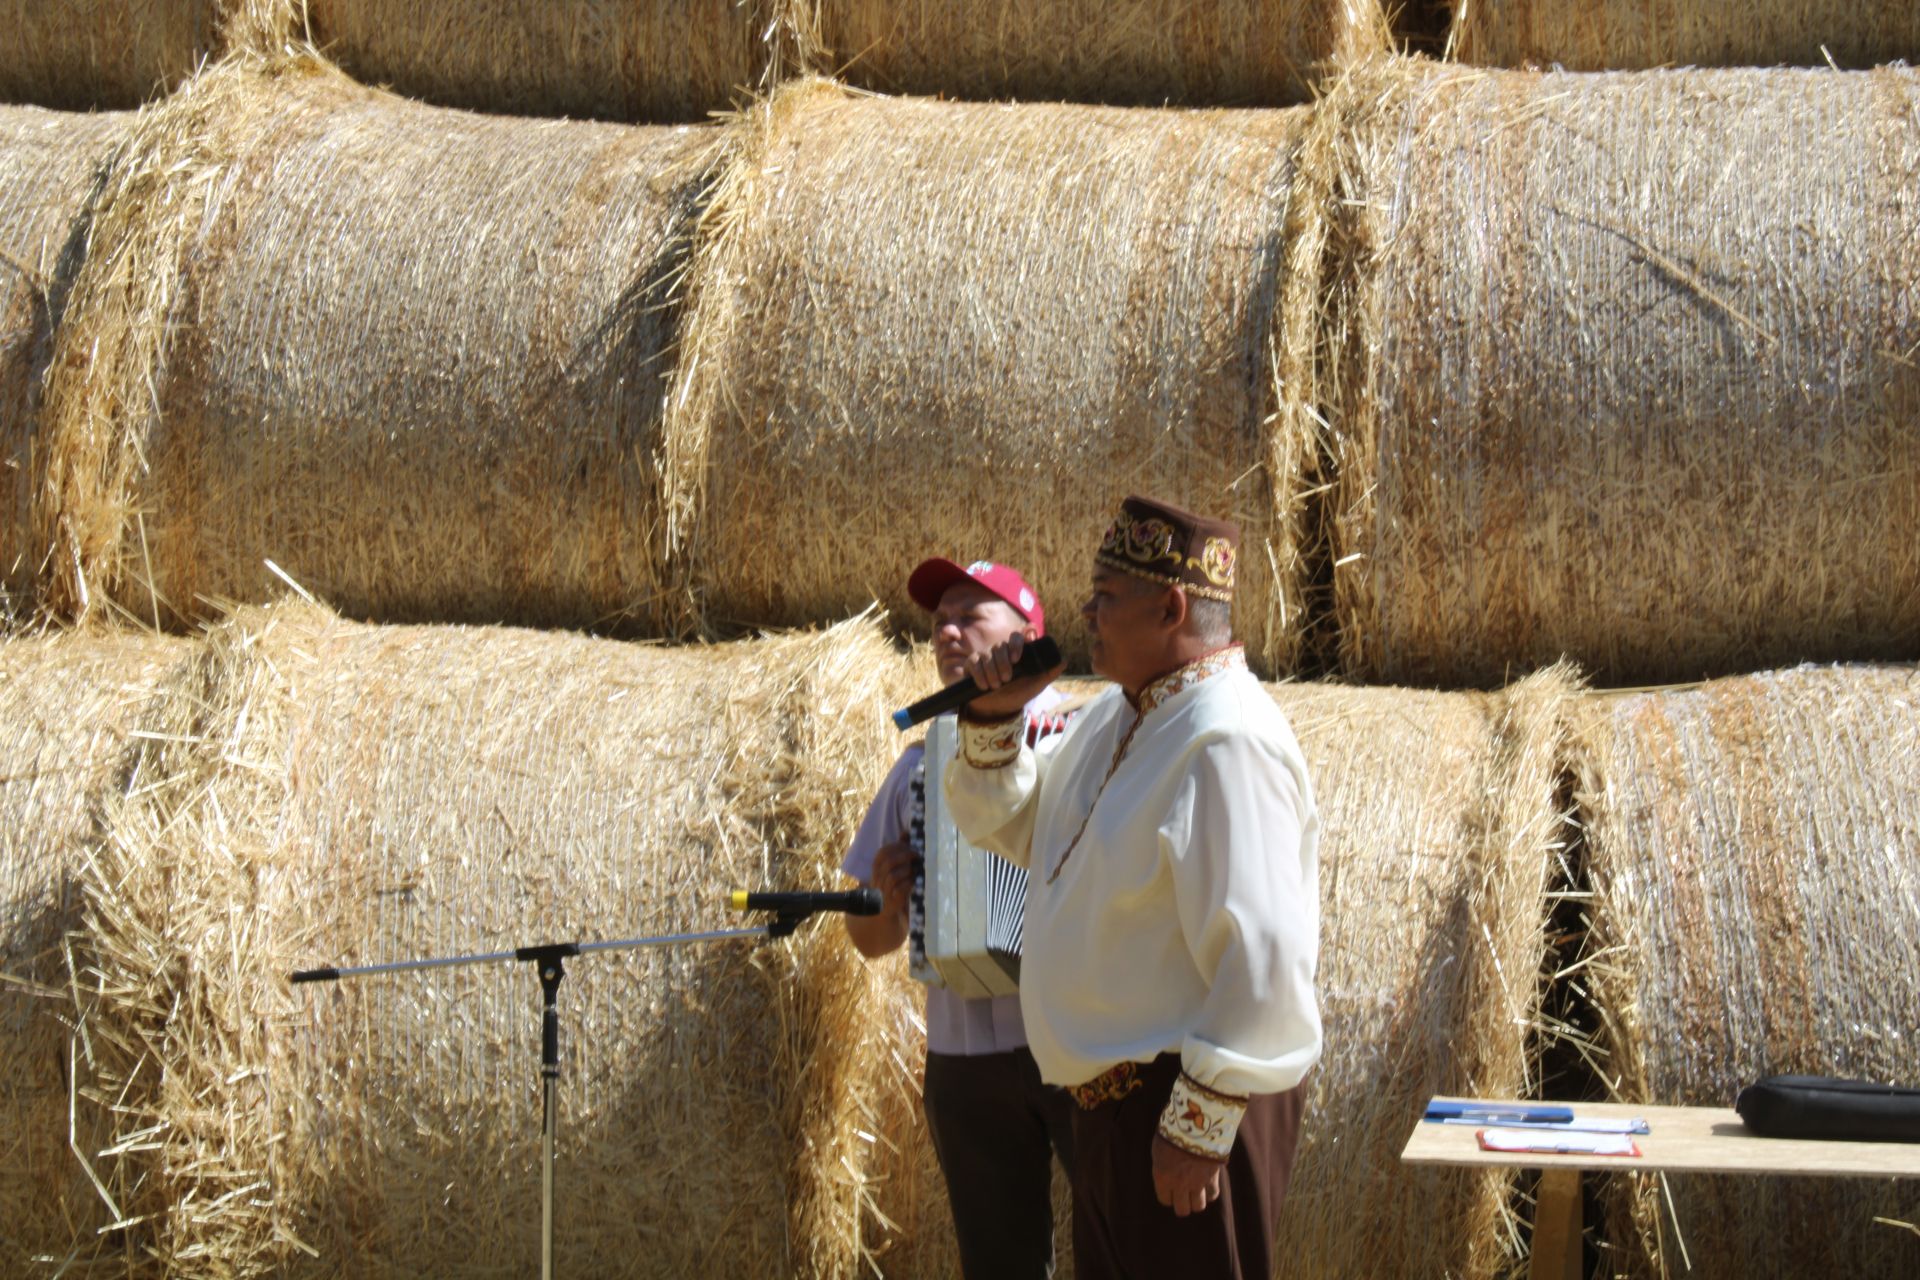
{"type": "Point", "coordinates": [928, 582]}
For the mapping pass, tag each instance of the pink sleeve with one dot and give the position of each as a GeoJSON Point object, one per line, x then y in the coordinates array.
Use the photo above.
{"type": "Point", "coordinates": [887, 817]}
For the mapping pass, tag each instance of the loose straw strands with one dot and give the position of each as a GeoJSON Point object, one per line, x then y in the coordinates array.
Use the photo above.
{"type": "Point", "coordinates": [1145, 52]}
{"type": "Point", "coordinates": [1755, 855]}
{"type": "Point", "coordinates": [1611, 372]}
{"type": "Point", "coordinates": [67, 705]}
{"type": "Point", "coordinates": [652, 60]}
{"type": "Point", "coordinates": [972, 329]}
{"type": "Point", "coordinates": [412, 356]}
{"type": "Point", "coordinates": [318, 792]}
{"type": "Point", "coordinates": [93, 54]}
{"type": "Point", "coordinates": [1599, 35]}
{"type": "Point", "coordinates": [48, 163]}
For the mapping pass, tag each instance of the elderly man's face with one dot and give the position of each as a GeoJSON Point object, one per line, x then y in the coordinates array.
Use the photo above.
{"type": "Point", "coordinates": [970, 621]}
{"type": "Point", "coordinates": [1126, 620]}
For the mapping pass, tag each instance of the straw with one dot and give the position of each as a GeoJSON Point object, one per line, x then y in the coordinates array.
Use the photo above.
{"type": "Point", "coordinates": [107, 54]}
{"type": "Point", "coordinates": [48, 163]}
{"type": "Point", "coordinates": [921, 327]}
{"type": "Point", "coordinates": [1755, 854]}
{"type": "Point", "coordinates": [316, 792]}
{"type": "Point", "coordinates": [1127, 52]}
{"type": "Point", "coordinates": [638, 60]}
{"type": "Point", "coordinates": [67, 705]}
{"type": "Point", "coordinates": [423, 370]}
{"type": "Point", "coordinates": [1612, 373]}
{"type": "Point", "coordinates": [1596, 35]}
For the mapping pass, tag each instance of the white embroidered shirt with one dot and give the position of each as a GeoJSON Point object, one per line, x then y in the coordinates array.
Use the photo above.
{"type": "Point", "coordinates": [1185, 916]}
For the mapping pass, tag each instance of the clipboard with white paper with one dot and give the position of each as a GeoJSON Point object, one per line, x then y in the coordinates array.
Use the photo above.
{"type": "Point", "coordinates": [1558, 1142]}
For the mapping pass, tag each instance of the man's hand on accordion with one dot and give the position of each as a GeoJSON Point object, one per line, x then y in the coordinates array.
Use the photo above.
{"type": "Point", "coordinates": [893, 871]}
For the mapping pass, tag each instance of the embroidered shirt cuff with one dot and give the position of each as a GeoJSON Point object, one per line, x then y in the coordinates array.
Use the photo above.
{"type": "Point", "coordinates": [992, 744]}
{"type": "Point", "coordinates": [1200, 1120]}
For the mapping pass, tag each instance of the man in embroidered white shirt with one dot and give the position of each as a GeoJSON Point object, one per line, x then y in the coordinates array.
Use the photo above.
{"type": "Point", "coordinates": [1173, 913]}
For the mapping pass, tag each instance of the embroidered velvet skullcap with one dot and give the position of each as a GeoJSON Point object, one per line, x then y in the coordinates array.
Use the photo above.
{"type": "Point", "coordinates": [1162, 543]}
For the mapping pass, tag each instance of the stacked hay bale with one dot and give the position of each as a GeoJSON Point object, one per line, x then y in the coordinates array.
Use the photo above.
{"type": "Point", "coordinates": [1441, 838]}
{"type": "Point", "coordinates": [1149, 52]}
{"type": "Point", "coordinates": [1610, 372]}
{"type": "Point", "coordinates": [1755, 861]}
{"type": "Point", "coordinates": [1599, 35]}
{"type": "Point", "coordinates": [1441, 814]}
{"type": "Point", "coordinates": [314, 791]}
{"type": "Point", "coordinates": [412, 356]}
{"type": "Point", "coordinates": [972, 329]}
{"type": "Point", "coordinates": [658, 60]}
{"type": "Point", "coordinates": [48, 163]}
{"type": "Point", "coordinates": [94, 54]}
{"type": "Point", "coordinates": [67, 704]}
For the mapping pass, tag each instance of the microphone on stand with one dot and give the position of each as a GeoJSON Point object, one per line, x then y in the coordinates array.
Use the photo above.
{"type": "Point", "coordinates": [1040, 656]}
{"type": "Point", "coordinates": [855, 902]}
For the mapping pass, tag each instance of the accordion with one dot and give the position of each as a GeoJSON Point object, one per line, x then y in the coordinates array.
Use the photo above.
{"type": "Point", "coordinates": [964, 922]}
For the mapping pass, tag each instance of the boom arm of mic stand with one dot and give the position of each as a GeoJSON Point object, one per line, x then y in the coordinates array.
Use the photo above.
{"type": "Point", "coordinates": [549, 960]}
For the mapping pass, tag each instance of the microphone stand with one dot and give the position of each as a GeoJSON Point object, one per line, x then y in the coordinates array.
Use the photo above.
{"type": "Point", "coordinates": [549, 960]}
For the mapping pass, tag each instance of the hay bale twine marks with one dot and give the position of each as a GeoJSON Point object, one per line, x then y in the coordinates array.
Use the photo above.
{"type": "Point", "coordinates": [1627, 35]}
{"type": "Point", "coordinates": [1126, 52]}
{"type": "Point", "coordinates": [967, 329]}
{"type": "Point", "coordinates": [321, 791]}
{"type": "Point", "coordinates": [67, 704]}
{"type": "Point", "coordinates": [1441, 835]}
{"type": "Point", "coordinates": [48, 162]}
{"type": "Point", "coordinates": [636, 60]}
{"type": "Point", "coordinates": [424, 368]}
{"type": "Point", "coordinates": [1614, 374]}
{"type": "Point", "coordinates": [1754, 847]}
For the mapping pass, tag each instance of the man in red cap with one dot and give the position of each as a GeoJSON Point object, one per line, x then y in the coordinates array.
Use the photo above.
{"type": "Point", "coordinates": [1173, 916]}
{"type": "Point", "coordinates": [995, 1125]}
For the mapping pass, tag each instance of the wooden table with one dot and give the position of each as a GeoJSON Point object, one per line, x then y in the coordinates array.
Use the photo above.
{"type": "Point", "coordinates": [1684, 1140]}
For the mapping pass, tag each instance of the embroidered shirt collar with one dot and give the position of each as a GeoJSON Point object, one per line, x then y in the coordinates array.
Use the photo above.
{"type": "Point", "coordinates": [1180, 679]}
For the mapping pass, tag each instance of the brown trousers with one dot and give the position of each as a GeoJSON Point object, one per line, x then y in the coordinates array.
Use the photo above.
{"type": "Point", "coordinates": [1122, 1232]}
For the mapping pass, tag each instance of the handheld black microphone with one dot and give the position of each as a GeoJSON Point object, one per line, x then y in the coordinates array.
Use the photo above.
{"type": "Point", "coordinates": [855, 902]}
{"type": "Point", "coordinates": [1039, 656]}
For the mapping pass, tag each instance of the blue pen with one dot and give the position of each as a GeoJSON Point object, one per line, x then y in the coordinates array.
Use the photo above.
{"type": "Point", "coordinates": [1477, 1113]}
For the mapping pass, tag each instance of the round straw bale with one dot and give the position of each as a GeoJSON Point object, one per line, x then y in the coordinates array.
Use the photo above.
{"type": "Point", "coordinates": [48, 163]}
{"type": "Point", "coordinates": [100, 54]}
{"type": "Point", "coordinates": [1613, 373]}
{"type": "Point", "coordinates": [1142, 52]}
{"type": "Point", "coordinates": [319, 792]}
{"type": "Point", "coordinates": [412, 356]}
{"type": "Point", "coordinates": [1440, 839]}
{"type": "Point", "coordinates": [1754, 847]}
{"type": "Point", "coordinates": [658, 60]}
{"type": "Point", "coordinates": [1627, 35]}
{"type": "Point", "coordinates": [66, 705]}
{"type": "Point", "coordinates": [925, 327]}
{"type": "Point", "coordinates": [1441, 834]}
